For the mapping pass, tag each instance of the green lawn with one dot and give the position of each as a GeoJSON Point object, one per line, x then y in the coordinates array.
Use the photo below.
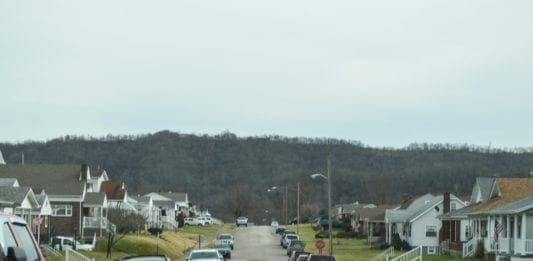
{"type": "Point", "coordinates": [351, 249]}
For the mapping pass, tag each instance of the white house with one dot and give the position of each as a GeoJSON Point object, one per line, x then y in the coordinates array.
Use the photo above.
{"type": "Point", "coordinates": [504, 222]}
{"type": "Point", "coordinates": [416, 221]}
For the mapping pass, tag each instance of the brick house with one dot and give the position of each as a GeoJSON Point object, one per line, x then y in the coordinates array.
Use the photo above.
{"type": "Point", "coordinates": [65, 185]}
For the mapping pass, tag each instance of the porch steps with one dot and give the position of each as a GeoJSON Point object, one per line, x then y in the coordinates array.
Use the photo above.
{"type": "Point", "coordinates": [469, 247]}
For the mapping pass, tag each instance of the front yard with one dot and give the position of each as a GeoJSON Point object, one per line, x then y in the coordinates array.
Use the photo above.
{"type": "Point", "coordinates": [352, 249]}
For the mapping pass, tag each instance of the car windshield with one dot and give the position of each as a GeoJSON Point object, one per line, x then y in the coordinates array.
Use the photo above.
{"type": "Point", "coordinates": [221, 246]}
{"type": "Point", "coordinates": [224, 237]}
{"type": "Point", "coordinates": [292, 236]}
{"type": "Point", "coordinates": [200, 255]}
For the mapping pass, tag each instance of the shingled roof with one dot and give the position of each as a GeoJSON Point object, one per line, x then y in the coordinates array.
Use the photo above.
{"type": "Point", "coordinates": [57, 180]}
{"type": "Point", "coordinates": [180, 197]}
{"type": "Point", "coordinates": [94, 199]}
{"type": "Point", "coordinates": [16, 195]}
{"type": "Point", "coordinates": [113, 189]}
{"type": "Point", "coordinates": [505, 191]}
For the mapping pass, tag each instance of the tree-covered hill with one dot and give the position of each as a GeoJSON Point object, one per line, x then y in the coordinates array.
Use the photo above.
{"type": "Point", "coordinates": [230, 175]}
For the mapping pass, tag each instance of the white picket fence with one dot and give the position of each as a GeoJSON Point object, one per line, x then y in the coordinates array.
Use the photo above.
{"type": "Point", "coordinates": [469, 247]}
{"type": "Point", "coordinates": [72, 255]}
{"type": "Point", "coordinates": [385, 255]}
{"type": "Point", "coordinates": [414, 254]}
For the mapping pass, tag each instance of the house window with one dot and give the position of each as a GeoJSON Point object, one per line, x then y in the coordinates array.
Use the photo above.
{"type": "Point", "coordinates": [62, 210]}
{"type": "Point", "coordinates": [454, 206]}
{"type": "Point", "coordinates": [431, 231]}
{"type": "Point", "coordinates": [468, 232]}
{"type": "Point", "coordinates": [431, 250]}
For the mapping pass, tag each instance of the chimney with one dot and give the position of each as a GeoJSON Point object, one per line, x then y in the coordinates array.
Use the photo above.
{"type": "Point", "coordinates": [446, 203]}
{"type": "Point", "coordinates": [83, 173]}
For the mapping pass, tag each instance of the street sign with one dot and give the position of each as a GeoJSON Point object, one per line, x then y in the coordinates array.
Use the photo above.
{"type": "Point", "coordinates": [320, 244]}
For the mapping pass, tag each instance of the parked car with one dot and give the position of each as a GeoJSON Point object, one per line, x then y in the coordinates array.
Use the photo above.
{"type": "Point", "coordinates": [204, 221]}
{"type": "Point", "coordinates": [16, 240]}
{"type": "Point", "coordinates": [295, 254]}
{"type": "Point", "coordinates": [194, 221]}
{"type": "Point", "coordinates": [317, 257]}
{"type": "Point", "coordinates": [280, 229]}
{"type": "Point", "coordinates": [285, 232]}
{"type": "Point", "coordinates": [227, 238]}
{"type": "Point", "coordinates": [146, 258]}
{"type": "Point", "coordinates": [303, 257]}
{"type": "Point", "coordinates": [224, 249]}
{"type": "Point", "coordinates": [274, 224]}
{"type": "Point", "coordinates": [242, 221]}
{"type": "Point", "coordinates": [62, 243]}
{"type": "Point", "coordinates": [322, 234]}
{"type": "Point", "coordinates": [295, 245]}
{"type": "Point", "coordinates": [205, 255]}
{"type": "Point", "coordinates": [287, 238]}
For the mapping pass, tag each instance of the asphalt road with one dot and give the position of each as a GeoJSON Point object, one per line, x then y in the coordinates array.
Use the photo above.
{"type": "Point", "coordinates": [254, 243]}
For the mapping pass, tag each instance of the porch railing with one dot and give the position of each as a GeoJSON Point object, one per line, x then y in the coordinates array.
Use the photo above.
{"type": "Point", "coordinates": [98, 223]}
{"type": "Point", "coordinates": [444, 247]}
{"type": "Point", "coordinates": [414, 254]}
{"type": "Point", "coordinates": [503, 245]}
{"type": "Point", "coordinates": [528, 246]}
{"type": "Point", "coordinates": [469, 247]}
{"type": "Point", "coordinates": [385, 255]}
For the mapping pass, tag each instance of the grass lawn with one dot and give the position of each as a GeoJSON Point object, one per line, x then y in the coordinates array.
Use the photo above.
{"type": "Point", "coordinates": [171, 243]}
{"type": "Point", "coordinates": [351, 249]}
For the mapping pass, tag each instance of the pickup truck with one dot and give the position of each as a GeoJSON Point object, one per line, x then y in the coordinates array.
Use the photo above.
{"type": "Point", "coordinates": [242, 221]}
{"type": "Point", "coordinates": [16, 240]}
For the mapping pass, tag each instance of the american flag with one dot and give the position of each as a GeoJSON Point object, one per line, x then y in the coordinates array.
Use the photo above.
{"type": "Point", "coordinates": [498, 228]}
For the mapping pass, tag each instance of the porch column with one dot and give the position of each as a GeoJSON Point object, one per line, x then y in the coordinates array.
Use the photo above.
{"type": "Point", "coordinates": [101, 219]}
{"type": "Point", "coordinates": [523, 232]}
{"type": "Point", "coordinates": [517, 248]}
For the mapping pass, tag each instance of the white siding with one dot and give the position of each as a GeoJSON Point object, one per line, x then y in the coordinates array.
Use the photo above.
{"type": "Point", "coordinates": [418, 228]}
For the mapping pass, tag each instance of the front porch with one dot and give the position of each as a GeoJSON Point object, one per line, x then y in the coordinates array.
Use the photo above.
{"type": "Point", "coordinates": [100, 224]}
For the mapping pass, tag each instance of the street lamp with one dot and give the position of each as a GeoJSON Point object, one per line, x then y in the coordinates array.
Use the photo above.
{"type": "Point", "coordinates": [328, 178]}
{"type": "Point", "coordinates": [286, 201]}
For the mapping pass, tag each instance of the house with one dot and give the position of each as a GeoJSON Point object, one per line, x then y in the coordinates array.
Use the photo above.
{"type": "Point", "coordinates": [503, 223]}
{"type": "Point", "coordinates": [371, 222]}
{"type": "Point", "coordinates": [456, 226]}
{"type": "Point", "coordinates": [66, 187]}
{"type": "Point", "coordinates": [95, 214]}
{"type": "Point", "coordinates": [416, 220]}
{"type": "Point", "coordinates": [169, 205]}
{"type": "Point", "coordinates": [117, 195]}
{"type": "Point", "coordinates": [342, 211]}
{"type": "Point", "coordinates": [145, 207]}
{"type": "Point", "coordinates": [42, 215]}
{"type": "Point", "coordinates": [19, 201]}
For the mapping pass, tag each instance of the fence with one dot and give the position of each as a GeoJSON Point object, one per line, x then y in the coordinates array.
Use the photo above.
{"type": "Point", "coordinates": [414, 254]}
{"type": "Point", "coordinates": [385, 255]}
{"type": "Point", "coordinates": [72, 255]}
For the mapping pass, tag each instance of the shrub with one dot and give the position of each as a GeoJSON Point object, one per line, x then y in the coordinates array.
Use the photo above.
{"type": "Point", "coordinates": [155, 230]}
{"type": "Point", "coordinates": [480, 249]}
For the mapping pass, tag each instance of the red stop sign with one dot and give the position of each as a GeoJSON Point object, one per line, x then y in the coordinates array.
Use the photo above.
{"type": "Point", "coordinates": [320, 244]}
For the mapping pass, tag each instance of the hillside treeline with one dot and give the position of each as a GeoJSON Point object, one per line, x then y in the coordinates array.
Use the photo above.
{"type": "Point", "coordinates": [231, 175]}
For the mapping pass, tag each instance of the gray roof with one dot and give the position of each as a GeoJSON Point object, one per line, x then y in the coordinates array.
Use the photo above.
{"type": "Point", "coordinates": [174, 196]}
{"type": "Point", "coordinates": [485, 186]}
{"type": "Point", "coordinates": [7, 182]}
{"type": "Point", "coordinates": [14, 194]}
{"type": "Point", "coordinates": [55, 179]}
{"type": "Point", "coordinates": [140, 199]}
{"type": "Point", "coordinates": [94, 199]}
{"type": "Point", "coordinates": [458, 213]}
{"type": "Point", "coordinates": [417, 207]}
{"type": "Point", "coordinates": [515, 207]}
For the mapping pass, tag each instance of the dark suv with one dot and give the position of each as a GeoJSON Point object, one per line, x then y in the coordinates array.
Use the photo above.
{"type": "Point", "coordinates": [17, 241]}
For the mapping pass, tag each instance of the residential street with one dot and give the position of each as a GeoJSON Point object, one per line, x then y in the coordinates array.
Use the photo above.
{"type": "Point", "coordinates": [257, 243]}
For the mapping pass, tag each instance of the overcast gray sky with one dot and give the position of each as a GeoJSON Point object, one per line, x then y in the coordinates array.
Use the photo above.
{"type": "Point", "coordinates": [386, 73]}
